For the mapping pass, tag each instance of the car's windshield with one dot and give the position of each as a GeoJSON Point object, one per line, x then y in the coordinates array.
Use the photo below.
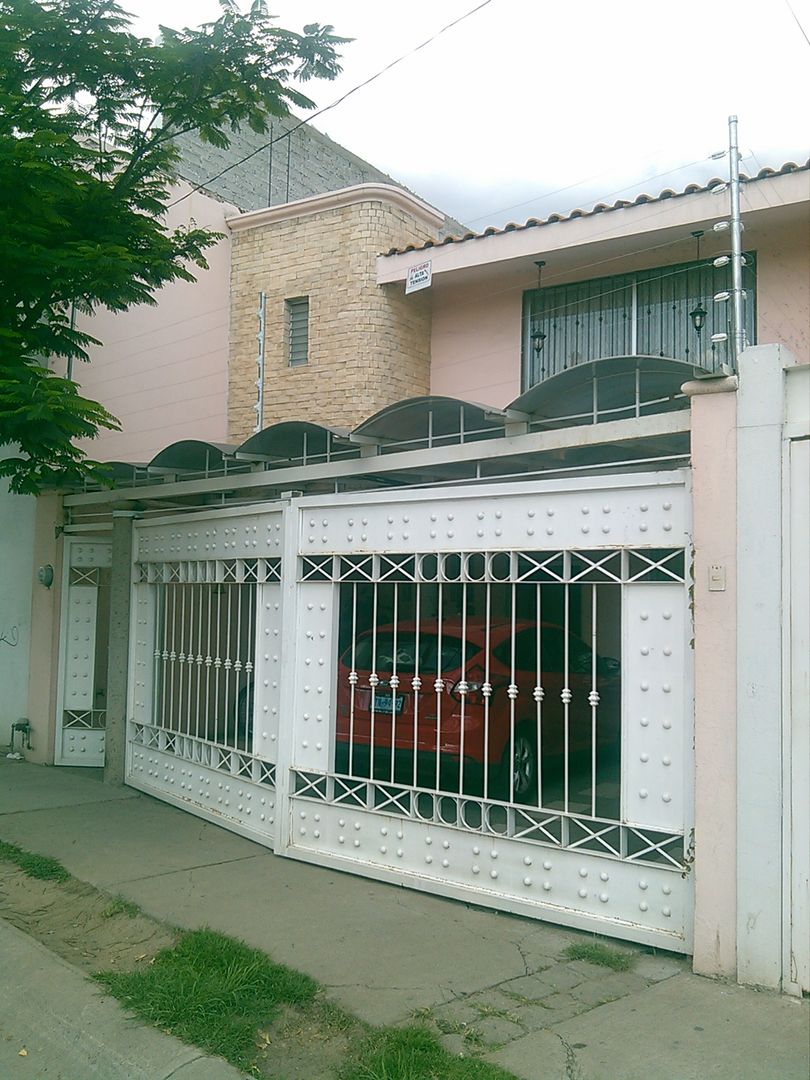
{"type": "Point", "coordinates": [389, 653]}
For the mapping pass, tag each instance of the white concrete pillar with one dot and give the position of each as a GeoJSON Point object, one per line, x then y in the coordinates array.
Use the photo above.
{"type": "Point", "coordinates": [759, 665]}
{"type": "Point", "coordinates": [118, 646]}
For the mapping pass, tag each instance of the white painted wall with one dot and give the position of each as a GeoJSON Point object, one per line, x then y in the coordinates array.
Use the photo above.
{"type": "Point", "coordinates": [760, 677]}
{"type": "Point", "coordinates": [16, 580]}
{"type": "Point", "coordinates": [796, 628]}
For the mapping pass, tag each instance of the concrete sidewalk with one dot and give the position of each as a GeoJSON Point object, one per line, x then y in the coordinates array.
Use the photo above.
{"type": "Point", "coordinates": [57, 1025]}
{"type": "Point", "coordinates": [494, 983]}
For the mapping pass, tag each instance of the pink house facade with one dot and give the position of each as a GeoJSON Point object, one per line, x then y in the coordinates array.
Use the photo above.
{"type": "Point", "coordinates": [478, 320]}
{"type": "Point", "coordinates": [590, 510]}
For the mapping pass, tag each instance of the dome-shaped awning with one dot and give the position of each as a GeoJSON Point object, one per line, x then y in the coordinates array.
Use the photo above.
{"type": "Point", "coordinates": [192, 455]}
{"type": "Point", "coordinates": [295, 440]}
{"type": "Point", "coordinates": [431, 421]}
{"type": "Point", "coordinates": [613, 388]}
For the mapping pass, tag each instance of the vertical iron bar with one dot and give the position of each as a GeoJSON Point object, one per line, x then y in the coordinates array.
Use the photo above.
{"type": "Point", "coordinates": [353, 679]}
{"type": "Point", "coordinates": [394, 684]}
{"type": "Point", "coordinates": [208, 658]}
{"type": "Point", "coordinates": [238, 665]}
{"type": "Point", "coordinates": [512, 696]}
{"type": "Point", "coordinates": [634, 317]}
{"type": "Point", "coordinates": [172, 654]}
{"type": "Point", "coordinates": [566, 694]}
{"type": "Point", "coordinates": [464, 680]}
{"type": "Point", "coordinates": [228, 662]}
{"type": "Point", "coordinates": [218, 648]}
{"type": "Point", "coordinates": [594, 696]}
{"type": "Point", "coordinates": [417, 681]}
{"type": "Point", "coordinates": [199, 658]}
{"type": "Point", "coordinates": [373, 682]}
{"type": "Point", "coordinates": [487, 685]}
{"type": "Point", "coordinates": [439, 685]}
{"type": "Point", "coordinates": [539, 692]}
{"type": "Point", "coordinates": [190, 652]}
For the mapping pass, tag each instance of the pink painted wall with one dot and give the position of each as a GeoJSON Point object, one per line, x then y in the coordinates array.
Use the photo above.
{"type": "Point", "coordinates": [783, 289]}
{"type": "Point", "coordinates": [714, 468]}
{"type": "Point", "coordinates": [475, 339]}
{"type": "Point", "coordinates": [475, 344]}
{"type": "Point", "coordinates": [163, 370]}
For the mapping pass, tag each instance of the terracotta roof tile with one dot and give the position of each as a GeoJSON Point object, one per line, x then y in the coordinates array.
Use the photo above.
{"type": "Point", "coordinates": [599, 208]}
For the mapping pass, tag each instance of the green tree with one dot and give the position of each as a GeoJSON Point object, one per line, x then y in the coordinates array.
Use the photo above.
{"type": "Point", "coordinates": [88, 114]}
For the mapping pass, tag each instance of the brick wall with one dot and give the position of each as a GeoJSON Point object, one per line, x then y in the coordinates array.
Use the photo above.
{"type": "Point", "coordinates": [369, 346]}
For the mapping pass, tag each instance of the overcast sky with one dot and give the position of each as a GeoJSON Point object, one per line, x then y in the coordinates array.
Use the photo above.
{"type": "Point", "coordinates": [534, 106]}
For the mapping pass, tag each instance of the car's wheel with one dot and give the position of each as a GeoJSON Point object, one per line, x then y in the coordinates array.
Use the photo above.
{"type": "Point", "coordinates": [519, 775]}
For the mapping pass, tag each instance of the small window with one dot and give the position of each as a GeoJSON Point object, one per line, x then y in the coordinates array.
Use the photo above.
{"type": "Point", "coordinates": [297, 311]}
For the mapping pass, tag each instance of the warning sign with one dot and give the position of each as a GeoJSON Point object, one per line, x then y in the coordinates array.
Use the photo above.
{"type": "Point", "coordinates": [419, 277]}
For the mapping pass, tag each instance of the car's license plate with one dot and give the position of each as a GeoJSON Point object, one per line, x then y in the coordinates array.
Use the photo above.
{"type": "Point", "coordinates": [388, 704]}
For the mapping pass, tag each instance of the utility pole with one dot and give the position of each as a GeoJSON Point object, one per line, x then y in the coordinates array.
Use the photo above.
{"type": "Point", "coordinates": [734, 225]}
{"type": "Point", "coordinates": [738, 317]}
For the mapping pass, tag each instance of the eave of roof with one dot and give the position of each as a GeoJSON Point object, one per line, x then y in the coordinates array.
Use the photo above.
{"type": "Point", "coordinates": [599, 208]}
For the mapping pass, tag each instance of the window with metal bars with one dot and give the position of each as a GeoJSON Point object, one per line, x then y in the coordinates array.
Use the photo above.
{"type": "Point", "coordinates": [297, 313]}
{"type": "Point", "coordinates": [647, 313]}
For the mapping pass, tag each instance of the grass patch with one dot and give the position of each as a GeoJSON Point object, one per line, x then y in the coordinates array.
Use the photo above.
{"type": "Point", "coordinates": [213, 991]}
{"type": "Point", "coordinates": [603, 955]}
{"type": "Point", "coordinates": [413, 1053]}
{"type": "Point", "coordinates": [35, 866]}
{"type": "Point", "coordinates": [121, 906]}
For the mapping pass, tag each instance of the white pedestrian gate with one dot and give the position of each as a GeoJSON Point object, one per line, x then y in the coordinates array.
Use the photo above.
{"type": "Point", "coordinates": [82, 690]}
{"type": "Point", "coordinates": [484, 693]}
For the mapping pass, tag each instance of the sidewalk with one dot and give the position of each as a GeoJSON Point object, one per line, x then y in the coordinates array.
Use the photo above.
{"type": "Point", "coordinates": [68, 1030]}
{"type": "Point", "coordinates": [384, 952]}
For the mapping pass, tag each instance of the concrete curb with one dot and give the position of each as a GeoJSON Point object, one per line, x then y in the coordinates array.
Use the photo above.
{"type": "Point", "coordinates": [71, 1030]}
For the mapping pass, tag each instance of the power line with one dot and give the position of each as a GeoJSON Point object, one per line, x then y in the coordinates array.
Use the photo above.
{"type": "Point", "coordinates": [578, 183]}
{"type": "Point", "coordinates": [338, 101]}
{"type": "Point", "coordinates": [796, 17]}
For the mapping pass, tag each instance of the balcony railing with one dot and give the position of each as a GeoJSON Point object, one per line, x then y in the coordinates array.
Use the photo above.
{"type": "Point", "coordinates": [647, 313]}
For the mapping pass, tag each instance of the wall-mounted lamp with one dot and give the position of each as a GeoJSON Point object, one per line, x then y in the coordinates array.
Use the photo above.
{"type": "Point", "coordinates": [45, 575]}
{"type": "Point", "coordinates": [538, 339]}
{"type": "Point", "coordinates": [698, 317]}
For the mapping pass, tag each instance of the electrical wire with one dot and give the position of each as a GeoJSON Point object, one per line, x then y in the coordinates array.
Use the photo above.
{"type": "Point", "coordinates": [568, 187]}
{"type": "Point", "coordinates": [796, 17]}
{"type": "Point", "coordinates": [338, 101]}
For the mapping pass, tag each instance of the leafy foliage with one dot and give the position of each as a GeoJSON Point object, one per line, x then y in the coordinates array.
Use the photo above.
{"type": "Point", "coordinates": [88, 115]}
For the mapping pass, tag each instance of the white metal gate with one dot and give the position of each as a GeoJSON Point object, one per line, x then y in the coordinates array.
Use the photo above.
{"type": "Point", "coordinates": [482, 693]}
{"type": "Point", "coordinates": [205, 670]}
{"type": "Point", "coordinates": [82, 690]}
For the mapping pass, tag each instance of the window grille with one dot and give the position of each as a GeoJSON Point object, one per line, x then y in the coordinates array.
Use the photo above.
{"type": "Point", "coordinates": [646, 313]}
{"type": "Point", "coordinates": [297, 330]}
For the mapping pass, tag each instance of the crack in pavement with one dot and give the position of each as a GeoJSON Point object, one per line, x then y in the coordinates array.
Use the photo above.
{"type": "Point", "coordinates": [181, 870]}
{"type": "Point", "coordinates": [182, 1065]}
{"type": "Point", "coordinates": [572, 1069]}
{"type": "Point", "coordinates": [523, 957]}
{"type": "Point", "coordinates": [67, 806]}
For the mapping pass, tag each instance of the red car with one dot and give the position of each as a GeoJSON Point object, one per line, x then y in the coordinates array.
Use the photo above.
{"type": "Point", "coordinates": [445, 716]}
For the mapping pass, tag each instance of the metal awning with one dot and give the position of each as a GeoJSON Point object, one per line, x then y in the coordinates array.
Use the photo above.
{"type": "Point", "coordinates": [613, 388]}
{"type": "Point", "coordinates": [296, 440]}
{"type": "Point", "coordinates": [192, 455]}
{"type": "Point", "coordinates": [431, 421]}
